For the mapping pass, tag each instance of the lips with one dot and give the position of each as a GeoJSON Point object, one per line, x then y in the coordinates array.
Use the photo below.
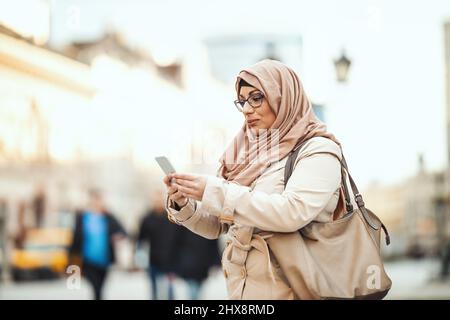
{"type": "Point", "coordinates": [252, 122]}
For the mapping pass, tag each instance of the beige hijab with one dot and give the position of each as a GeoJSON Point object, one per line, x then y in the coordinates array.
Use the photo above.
{"type": "Point", "coordinates": [249, 155]}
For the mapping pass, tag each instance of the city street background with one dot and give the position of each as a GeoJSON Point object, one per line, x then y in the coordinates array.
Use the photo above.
{"type": "Point", "coordinates": [92, 91]}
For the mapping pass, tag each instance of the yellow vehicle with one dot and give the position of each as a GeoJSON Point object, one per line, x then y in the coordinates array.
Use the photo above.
{"type": "Point", "coordinates": [43, 256]}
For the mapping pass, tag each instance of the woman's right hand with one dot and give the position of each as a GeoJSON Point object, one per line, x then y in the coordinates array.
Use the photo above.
{"type": "Point", "coordinates": [174, 194]}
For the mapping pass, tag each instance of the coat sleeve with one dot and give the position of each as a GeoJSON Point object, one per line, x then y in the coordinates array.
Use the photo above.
{"type": "Point", "coordinates": [195, 218]}
{"type": "Point", "coordinates": [308, 191]}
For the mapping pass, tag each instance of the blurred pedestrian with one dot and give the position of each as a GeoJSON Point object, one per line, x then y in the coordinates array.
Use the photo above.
{"type": "Point", "coordinates": [196, 256]}
{"type": "Point", "coordinates": [161, 235]}
{"type": "Point", "coordinates": [3, 238]}
{"type": "Point", "coordinates": [95, 235]}
{"type": "Point", "coordinates": [445, 261]}
{"type": "Point", "coordinates": [22, 228]}
{"type": "Point", "coordinates": [38, 205]}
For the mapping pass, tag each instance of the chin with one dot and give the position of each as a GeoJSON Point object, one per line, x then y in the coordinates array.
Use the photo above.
{"type": "Point", "coordinates": [257, 129]}
{"type": "Point", "coordinates": [260, 127]}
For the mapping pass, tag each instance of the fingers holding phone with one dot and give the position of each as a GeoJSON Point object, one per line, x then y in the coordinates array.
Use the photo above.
{"type": "Point", "coordinates": [169, 181]}
{"type": "Point", "coordinates": [176, 195]}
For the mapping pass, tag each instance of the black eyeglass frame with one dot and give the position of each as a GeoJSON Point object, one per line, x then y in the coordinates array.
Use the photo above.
{"type": "Point", "coordinates": [241, 103]}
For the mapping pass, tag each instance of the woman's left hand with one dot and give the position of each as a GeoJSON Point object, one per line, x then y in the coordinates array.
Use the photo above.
{"type": "Point", "coordinates": [190, 185]}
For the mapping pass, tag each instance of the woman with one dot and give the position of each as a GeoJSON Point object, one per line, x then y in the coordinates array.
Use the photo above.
{"type": "Point", "coordinates": [247, 199]}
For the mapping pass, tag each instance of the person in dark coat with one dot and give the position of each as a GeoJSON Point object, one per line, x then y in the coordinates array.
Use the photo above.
{"type": "Point", "coordinates": [38, 205]}
{"type": "Point", "coordinates": [161, 235]}
{"type": "Point", "coordinates": [92, 248]}
{"type": "Point", "coordinates": [196, 256]}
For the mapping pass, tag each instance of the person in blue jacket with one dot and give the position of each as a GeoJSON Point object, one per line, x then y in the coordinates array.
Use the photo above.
{"type": "Point", "coordinates": [96, 232]}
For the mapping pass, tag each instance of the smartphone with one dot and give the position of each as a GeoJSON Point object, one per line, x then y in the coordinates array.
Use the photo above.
{"type": "Point", "coordinates": [165, 165]}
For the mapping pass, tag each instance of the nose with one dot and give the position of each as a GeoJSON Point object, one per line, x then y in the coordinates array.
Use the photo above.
{"type": "Point", "coordinates": [247, 108]}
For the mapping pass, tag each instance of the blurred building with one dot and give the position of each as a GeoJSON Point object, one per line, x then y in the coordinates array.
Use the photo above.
{"type": "Point", "coordinates": [388, 202]}
{"type": "Point", "coordinates": [409, 211]}
{"type": "Point", "coordinates": [38, 88]}
{"type": "Point", "coordinates": [228, 54]}
{"type": "Point", "coordinates": [35, 84]}
{"type": "Point", "coordinates": [447, 83]}
{"type": "Point", "coordinates": [417, 211]}
{"type": "Point", "coordinates": [113, 44]}
{"type": "Point", "coordinates": [52, 106]}
{"type": "Point", "coordinates": [441, 199]}
{"type": "Point", "coordinates": [319, 110]}
{"type": "Point", "coordinates": [33, 28]}
{"type": "Point", "coordinates": [422, 224]}
{"type": "Point", "coordinates": [89, 115]}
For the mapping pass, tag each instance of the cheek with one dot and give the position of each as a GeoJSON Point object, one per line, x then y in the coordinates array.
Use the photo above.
{"type": "Point", "coordinates": [268, 116]}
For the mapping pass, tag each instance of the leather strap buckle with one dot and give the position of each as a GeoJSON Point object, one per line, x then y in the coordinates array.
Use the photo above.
{"type": "Point", "coordinates": [359, 200]}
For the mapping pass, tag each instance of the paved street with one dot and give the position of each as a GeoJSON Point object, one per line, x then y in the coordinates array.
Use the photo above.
{"type": "Point", "coordinates": [412, 280]}
{"type": "Point", "coordinates": [417, 280]}
{"type": "Point", "coordinates": [120, 285]}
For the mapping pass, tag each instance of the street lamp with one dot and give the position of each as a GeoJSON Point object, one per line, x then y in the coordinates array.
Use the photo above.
{"type": "Point", "coordinates": [342, 66]}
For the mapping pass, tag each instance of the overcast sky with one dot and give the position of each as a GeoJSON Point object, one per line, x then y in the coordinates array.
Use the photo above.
{"type": "Point", "coordinates": [394, 104]}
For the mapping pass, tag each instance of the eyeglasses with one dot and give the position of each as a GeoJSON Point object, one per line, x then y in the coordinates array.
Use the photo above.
{"type": "Point", "coordinates": [255, 100]}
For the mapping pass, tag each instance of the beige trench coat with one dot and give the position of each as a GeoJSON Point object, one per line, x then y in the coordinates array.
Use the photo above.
{"type": "Point", "coordinates": [251, 214]}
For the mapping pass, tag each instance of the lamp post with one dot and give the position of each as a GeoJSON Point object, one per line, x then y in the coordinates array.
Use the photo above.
{"type": "Point", "coordinates": [342, 65]}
